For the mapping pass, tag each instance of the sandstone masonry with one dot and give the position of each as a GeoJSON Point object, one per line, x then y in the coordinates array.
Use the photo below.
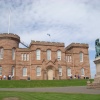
{"type": "Point", "coordinates": [42, 60]}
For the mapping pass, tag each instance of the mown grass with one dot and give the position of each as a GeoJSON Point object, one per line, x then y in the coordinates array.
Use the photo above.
{"type": "Point", "coordinates": [48, 96]}
{"type": "Point", "coordinates": [40, 83]}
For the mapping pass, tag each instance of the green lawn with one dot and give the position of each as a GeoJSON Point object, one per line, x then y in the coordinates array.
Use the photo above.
{"type": "Point", "coordinates": [48, 96]}
{"type": "Point", "coordinates": [40, 83]}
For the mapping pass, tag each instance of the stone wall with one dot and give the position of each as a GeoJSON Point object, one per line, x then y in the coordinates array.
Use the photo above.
{"type": "Point", "coordinates": [74, 50]}
{"type": "Point", "coordinates": [9, 41]}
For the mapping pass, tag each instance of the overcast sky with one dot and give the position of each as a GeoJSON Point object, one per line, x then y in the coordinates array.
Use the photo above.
{"type": "Point", "coordinates": [65, 20]}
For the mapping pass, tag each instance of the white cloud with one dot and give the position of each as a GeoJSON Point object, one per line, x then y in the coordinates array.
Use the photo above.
{"type": "Point", "coordinates": [66, 20]}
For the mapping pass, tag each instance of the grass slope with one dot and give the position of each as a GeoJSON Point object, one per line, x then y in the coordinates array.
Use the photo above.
{"type": "Point", "coordinates": [40, 83]}
{"type": "Point", "coordinates": [48, 96]}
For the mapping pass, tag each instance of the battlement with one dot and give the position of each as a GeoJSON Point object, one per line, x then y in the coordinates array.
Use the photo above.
{"type": "Point", "coordinates": [10, 36]}
{"type": "Point", "coordinates": [46, 43]}
{"type": "Point", "coordinates": [83, 45]}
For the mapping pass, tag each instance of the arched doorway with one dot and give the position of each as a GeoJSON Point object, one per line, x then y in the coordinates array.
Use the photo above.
{"type": "Point", "coordinates": [50, 74]}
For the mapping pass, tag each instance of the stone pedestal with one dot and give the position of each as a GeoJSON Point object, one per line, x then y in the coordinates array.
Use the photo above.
{"type": "Point", "coordinates": [96, 83]}
{"type": "Point", "coordinates": [97, 76]}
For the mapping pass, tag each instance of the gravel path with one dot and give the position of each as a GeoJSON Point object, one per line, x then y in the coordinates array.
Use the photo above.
{"type": "Point", "coordinates": [75, 89]}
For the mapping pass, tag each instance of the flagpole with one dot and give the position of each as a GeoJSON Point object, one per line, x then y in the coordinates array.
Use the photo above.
{"type": "Point", "coordinates": [9, 20]}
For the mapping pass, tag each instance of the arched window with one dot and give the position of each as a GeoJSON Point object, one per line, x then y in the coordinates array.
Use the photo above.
{"type": "Point", "coordinates": [13, 70]}
{"type": "Point", "coordinates": [48, 54]}
{"type": "Point", "coordinates": [68, 72]}
{"type": "Point", "coordinates": [1, 53]}
{"type": "Point", "coordinates": [38, 56]}
{"type": "Point", "coordinates": [82, 72]}
{"type": "Point", "coordinates": [81, 57]}
{"type": "Point", "coordinates": [38, 71]}
{"type": "Point", "coordinates": [24, 71]}
{"type": "Point", "coordinates": [13, 54]}
{"type": "Point", "coordinates": [59, 55]}
{"type": "Point", "coordinates": [0, 71]}
{"type": "Point", "coordinates": [60, 71]}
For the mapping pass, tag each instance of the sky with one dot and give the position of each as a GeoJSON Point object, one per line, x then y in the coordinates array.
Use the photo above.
{"type": "Point", "coordinates": [66, 21]}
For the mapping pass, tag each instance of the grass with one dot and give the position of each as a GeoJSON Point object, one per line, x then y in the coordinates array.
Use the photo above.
{"type": "Point", "coordinates": [40, 83]}
{"type": "Point", "coordinates": [48, 96]}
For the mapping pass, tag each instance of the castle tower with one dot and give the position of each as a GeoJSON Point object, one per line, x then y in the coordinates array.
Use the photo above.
{"type": "Point", "coordinates": [78, 60]}
{"type": "Point", "coordinates": [8, 45]}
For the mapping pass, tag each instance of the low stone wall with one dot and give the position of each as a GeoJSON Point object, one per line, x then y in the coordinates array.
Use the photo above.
{"type": "Point", "coordinates": [93, 85]}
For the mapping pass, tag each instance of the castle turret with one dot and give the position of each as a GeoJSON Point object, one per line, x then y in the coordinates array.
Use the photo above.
{"type": "Point", "coordinates": [8, 44]}
{"type": "Point", "coordinates": [9, 41]}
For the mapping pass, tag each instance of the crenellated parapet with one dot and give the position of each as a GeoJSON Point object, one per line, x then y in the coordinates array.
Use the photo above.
{"type": "Point", "coordinates": [9, 36]}
{"type": "Point", "coordinates": [81, 45]}
{"type": "Point", "coordinates": [46, 43]}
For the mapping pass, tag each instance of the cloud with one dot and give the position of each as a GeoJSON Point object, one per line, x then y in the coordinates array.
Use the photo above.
{"type": "Point", "coordinates": [66, 20]}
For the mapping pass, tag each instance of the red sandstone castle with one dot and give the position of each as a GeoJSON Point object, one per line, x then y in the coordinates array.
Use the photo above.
{"type": "Point", "coordinates": [42, 60]}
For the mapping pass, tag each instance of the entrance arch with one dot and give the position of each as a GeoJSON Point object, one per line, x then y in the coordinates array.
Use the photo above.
{"type": "Point", "coordinates": [50, 74]}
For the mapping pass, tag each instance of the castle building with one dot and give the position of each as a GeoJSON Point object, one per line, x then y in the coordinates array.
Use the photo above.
{"type": "Point", "coordinates": [43, 60]}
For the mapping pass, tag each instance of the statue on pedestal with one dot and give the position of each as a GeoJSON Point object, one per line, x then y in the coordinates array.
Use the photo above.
{"type": "Point", "coordinates": [96, 82]}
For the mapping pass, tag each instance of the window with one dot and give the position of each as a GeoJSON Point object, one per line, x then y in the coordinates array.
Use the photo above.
{"type": "Point", "coordinates": [0, 71]}
{"type": "Point", "coordinates": [69, 72]}
{"type": "Point", "coordinates": [66, 58]}
{"type": "Point", "coordinates": [48, 54]}
{"type": "Point", "coordinates": [82, 72]}
{"type": "Point", "coordinates": [38, 54]}
{"type": "Point", "coordinates": [69, 58]}
{"type": "Point", "coordinates": [22, 56]}
{"type": "Point", "coordinates": [59, 55]}
{"type": "Point", "coordinates": [13, 68]}
{"type": "Point", "coordinates": [1, 53]}
{"type": "Point", "coordinates": [81, 57]}
{"type": "Point", "coordinates": [24, 71]}
{"type": "Point", "coordinates": [25, 57]}
{"type": "Point", "coordinates": [38, 71]}
{"type": "Point", "coordinates": [13, 54]}
{"type": "Point", "coordinates": [60, 71]}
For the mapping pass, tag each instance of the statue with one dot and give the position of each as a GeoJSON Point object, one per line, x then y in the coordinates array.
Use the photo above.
{"type": "Point", "coordinates": [96, 83]}
{"type": "Point", "coordinates": [97, 47]}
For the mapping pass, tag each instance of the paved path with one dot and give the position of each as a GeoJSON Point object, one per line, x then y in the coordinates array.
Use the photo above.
{"type": "Point", "coordinates": [75, 89]}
